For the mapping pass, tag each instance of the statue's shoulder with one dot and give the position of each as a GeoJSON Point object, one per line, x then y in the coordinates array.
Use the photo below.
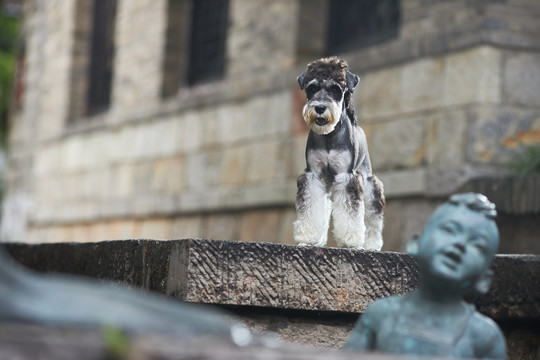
{"type": "Point", "coordinates": [382, 308]}
{"type": "Point", "coordinates": [387, 303]}
{"type": "Point", "coordinates": [482, 324]}
{"type": "Point", "coordinates": [488, 337]}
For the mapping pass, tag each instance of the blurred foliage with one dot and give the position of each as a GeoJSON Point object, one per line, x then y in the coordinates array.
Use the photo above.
{"type": "Point", "coordinates": [116, 342]}
{"type": "Point", "coordinates": [526, 160]}
{"type": "Point", "coordinates": [9, 27]}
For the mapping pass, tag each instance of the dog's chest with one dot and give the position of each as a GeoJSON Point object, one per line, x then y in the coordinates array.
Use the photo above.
{"type": "Point", "coordinates": [327, 164]}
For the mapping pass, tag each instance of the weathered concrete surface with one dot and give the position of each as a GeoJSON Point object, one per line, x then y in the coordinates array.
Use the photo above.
{"type": "Point", "coordinates": [515, 292]}
{"type": "Point", "coordinates": [235, 273]}
{"type": "Point", "coordinates": [274, 275]}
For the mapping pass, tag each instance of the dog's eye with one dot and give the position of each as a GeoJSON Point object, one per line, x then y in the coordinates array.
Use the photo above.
{"type": "Point", "coordinates": [311, 90]}
{"type": "Point", "coordinates": [335, 91]}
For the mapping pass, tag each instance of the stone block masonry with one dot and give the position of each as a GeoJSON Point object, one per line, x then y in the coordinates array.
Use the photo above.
{"type": "Point", "coordinates": [448, 99]}
{"type": "Point", "coordinates": [307, 295]}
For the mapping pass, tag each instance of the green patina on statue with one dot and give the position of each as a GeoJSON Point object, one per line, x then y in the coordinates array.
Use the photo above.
{"type": "Point", "coordinates": [454, 255]}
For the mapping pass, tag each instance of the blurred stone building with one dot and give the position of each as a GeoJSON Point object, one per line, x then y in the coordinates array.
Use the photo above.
{"type": "Point", "coordinates": [182, 118]}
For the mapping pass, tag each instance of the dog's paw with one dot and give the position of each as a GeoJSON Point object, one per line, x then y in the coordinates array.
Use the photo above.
{"type": "Point", "coordinates": [374, 243]}
{"type": "Point", "coordinates": [349, 234]}
{"type": "Point", "coordinates": [306, 234]}
{"type": "Point", "coordinates": [310, 242]}
{"type": "Point", "coordinates": [352, 242]}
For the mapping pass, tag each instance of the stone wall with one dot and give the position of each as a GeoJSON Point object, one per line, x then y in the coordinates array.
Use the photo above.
{"type": "Point", "coordinates": [448, 99]}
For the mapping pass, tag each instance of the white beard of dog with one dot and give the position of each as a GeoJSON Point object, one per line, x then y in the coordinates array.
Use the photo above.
{"type": "Point", "coordinates": [332, 114]}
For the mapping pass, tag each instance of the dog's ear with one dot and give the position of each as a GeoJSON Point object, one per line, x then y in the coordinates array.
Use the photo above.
{"type": "Point", "coordinates": [300, 80]}
{"type": "Point", "coordinates": [352, 80]}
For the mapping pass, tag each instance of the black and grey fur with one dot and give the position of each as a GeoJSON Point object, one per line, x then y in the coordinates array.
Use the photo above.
{"type": "Point", "coordinates": [338, 181]}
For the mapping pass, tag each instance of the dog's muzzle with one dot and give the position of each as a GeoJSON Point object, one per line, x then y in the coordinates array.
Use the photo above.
{"type": "Point", "coordinates": [320, 110]}
{"type": "Point", "coordinates": [322, 116]}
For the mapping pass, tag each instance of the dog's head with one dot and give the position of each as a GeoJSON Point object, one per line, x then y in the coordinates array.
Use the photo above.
{"type": "Point", "coordinates": [328, 85]}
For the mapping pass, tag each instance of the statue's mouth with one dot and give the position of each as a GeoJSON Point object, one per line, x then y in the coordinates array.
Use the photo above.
{"type": "Point", "coordinates": [453, 259]}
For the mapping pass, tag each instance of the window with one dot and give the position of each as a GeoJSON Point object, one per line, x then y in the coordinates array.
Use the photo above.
{"type": "Point", "coordinates": [195, 45]}
{"type": "Point", "coordinates": [355, 24]}
{"type": "Point", "coordinates": [207, 46]}
{"type": "Point", "coordinates": [92, 58]}
{"type": "Point", "coordinates": [101, 56]}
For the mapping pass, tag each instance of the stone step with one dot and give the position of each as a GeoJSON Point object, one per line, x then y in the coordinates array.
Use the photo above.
{"type": "Point", "coordinates": [266, 275]}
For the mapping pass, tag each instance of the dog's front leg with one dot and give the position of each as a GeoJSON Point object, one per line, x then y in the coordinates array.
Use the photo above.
{"type": "Point", "coordinates": [313, 208]}
{"type": "Point", "coordinates": [375, 203]}
{"type": "Point", "coordinates": [348, 211]}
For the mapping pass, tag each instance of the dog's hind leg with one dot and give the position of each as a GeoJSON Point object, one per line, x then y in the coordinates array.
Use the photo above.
{"type": "Point", "coordinates": [348, 211]}
{"type": "Point", "coordinates": [313, 208]}
{"type": "Point", "coordinates": [375, 202]}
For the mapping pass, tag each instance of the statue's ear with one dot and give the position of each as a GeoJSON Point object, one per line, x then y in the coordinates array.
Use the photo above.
{"type": "Point", "coordinates": [300, 80]}
{"type": "Point", "coordinates": [352, 80]}
{"type": "Point", "coordinates": [412, 246]}
{"type": "Point", "coordinates": [484, 283]}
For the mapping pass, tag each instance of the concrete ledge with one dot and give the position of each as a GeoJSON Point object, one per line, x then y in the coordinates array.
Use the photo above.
{"type": "Point", "coordinates": [274, 275]}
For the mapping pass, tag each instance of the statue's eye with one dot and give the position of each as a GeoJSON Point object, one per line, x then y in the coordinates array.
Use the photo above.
{"type": "Point", "coordinates": [479, 242]}
{"type": "Point", "coordinates": [448, 228]}
{"type": "Point", "coordinates": [481, 247]}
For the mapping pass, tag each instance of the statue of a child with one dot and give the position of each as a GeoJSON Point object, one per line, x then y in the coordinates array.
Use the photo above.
{"type": "Point", "coordinates": [454, 255]}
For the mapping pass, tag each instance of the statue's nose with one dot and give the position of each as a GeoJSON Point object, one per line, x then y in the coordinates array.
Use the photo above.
{"type": "Point", "coordinates": [461, 247]}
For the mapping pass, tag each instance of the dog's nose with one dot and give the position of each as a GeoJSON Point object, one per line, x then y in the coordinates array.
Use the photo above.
{"type": "Point", "coordinates": [319, 109]}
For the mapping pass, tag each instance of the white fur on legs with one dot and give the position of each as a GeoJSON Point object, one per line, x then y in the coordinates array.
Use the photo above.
{"type": "Point", "coordinates": [348, 212]}
{"type": "Point", "coordinates": [313, 208]}
{"type": "Point", "coordinates": [374, 200]}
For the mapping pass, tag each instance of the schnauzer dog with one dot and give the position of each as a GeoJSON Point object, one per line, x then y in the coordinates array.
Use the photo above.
{"type": "Point", "coordinates": [338, 181]}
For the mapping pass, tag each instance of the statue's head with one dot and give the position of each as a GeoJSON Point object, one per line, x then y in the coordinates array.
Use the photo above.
{"type": "Point", "coordinates": [458, 244]}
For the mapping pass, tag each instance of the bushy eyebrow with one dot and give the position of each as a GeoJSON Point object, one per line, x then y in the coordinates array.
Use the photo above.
{"type": "Point", "coordinates": [328, 83]}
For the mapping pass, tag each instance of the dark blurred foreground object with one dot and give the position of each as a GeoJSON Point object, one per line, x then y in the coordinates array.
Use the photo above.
{"type": "Point", "coordinates": [29, 297]}
{"type": "Point", "coordinates": [31, 342]}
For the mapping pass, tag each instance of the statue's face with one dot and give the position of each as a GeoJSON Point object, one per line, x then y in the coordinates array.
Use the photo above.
{"type": "Point", "coordinates": [458, 245]}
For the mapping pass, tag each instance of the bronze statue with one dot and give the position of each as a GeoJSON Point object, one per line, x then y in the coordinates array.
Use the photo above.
{"type": "Point", "coordinates": [454, 255]}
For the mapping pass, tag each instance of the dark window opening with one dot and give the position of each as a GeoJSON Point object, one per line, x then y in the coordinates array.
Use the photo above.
{"type": "Point", "coordinates": [101, 56]}
{"type": "Point", "coordinates": [355, 24]}
{"type": "Point", "coordinates": [207, 44]}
